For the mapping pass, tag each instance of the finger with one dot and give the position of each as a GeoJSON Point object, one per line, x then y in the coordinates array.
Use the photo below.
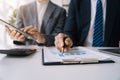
{"type": "Point", "coordinates": [60, 44]}
{"type": "Point", "coordinates": [33, 29]}
{"type": "Point", "coordinates": [22, 29]}
{"type": "Point", "coordinates": [27, 28]}
{"type": "Point", "coordinates": [32, 33]}
{"type": "Point", "coordinates": [13, 33]}
{"type": "Point", "coordinates": [59, 49]}
{"type": "Point", "coordinates": [63, 38]}
{"type": "Point", "coordinates": [57, 45]}
{"type": "Point", "coordinates": [59, 41]}
{"type": "Point", "coordinates": [7, 29]}
{"type": "Point", "coordinates": [68, 42]}
{"type": "Point", "coordinates": [17, 35]}
{"type": "Point", "coordinates": [30, 30]}
{"type": "Point", "coordinates": [66, 49]}
{"type": "Point", "coordinates": [61, 35]}
{"type": "Point", "coordinates": [21, 38]}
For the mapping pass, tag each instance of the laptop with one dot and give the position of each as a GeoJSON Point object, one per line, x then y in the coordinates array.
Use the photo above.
{"type": "Point", "coordinates": [114, 51]}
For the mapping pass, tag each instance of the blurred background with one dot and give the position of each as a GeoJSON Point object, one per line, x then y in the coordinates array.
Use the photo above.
{"type": "Point", "coordinates": [8, 11]}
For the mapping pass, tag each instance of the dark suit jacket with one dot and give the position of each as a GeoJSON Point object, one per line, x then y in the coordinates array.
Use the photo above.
{"type": "Point", "coordinates": [78, 22]}
{"type": "Point", "coordinates": [52, 24]}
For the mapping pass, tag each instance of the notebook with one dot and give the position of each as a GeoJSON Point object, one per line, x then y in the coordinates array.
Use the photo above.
{"type": "Point", "coordinates": [76, 55]}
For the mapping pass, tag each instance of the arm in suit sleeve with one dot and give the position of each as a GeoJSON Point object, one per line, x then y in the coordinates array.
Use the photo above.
{"type": "Point", "coordinates": [19, 24]}
{"type": "Point", "coordinates": [71, 23]}
{"type": "Point", "coordinates": [58, 28]}
{"type": "Point", "coordinates": [19, 18]}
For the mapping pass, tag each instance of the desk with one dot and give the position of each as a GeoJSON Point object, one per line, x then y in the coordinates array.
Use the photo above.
{"type": "Point", "coordinates": [31, 68]}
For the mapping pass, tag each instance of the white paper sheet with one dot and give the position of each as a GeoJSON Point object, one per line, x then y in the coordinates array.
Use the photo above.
{"type": "Point", "coordinates": [51, 54]}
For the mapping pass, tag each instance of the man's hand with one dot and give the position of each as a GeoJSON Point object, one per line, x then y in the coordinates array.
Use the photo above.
{"type": "Point", "coordinates": [62, 40]}
{"type": "Point", "coordinates": [15, 35]}
{"type": "Point", "coordinates": [34, 32]}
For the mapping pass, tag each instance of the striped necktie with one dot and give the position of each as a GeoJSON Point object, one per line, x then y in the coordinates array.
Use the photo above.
{"type": "Point", "coordinates": [98, 26]}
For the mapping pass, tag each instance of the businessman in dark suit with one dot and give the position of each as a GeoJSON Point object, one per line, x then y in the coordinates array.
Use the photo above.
{"type": "Point", "coordinates": [83, 17]}
{"type": "Point", "coordinates": [42, 19]}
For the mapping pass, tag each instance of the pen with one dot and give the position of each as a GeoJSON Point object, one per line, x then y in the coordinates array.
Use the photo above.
{"type": "Point", "coordinates": [64, 45]}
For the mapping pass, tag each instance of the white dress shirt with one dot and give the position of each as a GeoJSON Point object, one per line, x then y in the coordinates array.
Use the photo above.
{"type": "Point", "coordinates": [89, 39]}
{"type": "Point", "coordinates": [41, 9]}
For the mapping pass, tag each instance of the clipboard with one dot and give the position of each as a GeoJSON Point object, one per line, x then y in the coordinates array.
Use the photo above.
{"type": "Point", "coordinates": [20, 31]}
{"type": "Point", "coordinates": [50, 57]}
{"type": "Point", "coordinates": [18, 52]}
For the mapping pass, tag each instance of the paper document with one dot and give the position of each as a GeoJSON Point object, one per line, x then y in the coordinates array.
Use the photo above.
{"type": "Point", "coordinates": [53, 55]}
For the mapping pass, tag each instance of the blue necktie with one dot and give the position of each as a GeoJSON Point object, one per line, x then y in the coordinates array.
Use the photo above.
{"type": "Point", "coordinates": [98, 26]}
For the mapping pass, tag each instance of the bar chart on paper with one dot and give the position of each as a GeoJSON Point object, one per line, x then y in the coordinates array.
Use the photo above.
{"type": "Point", "coordinates": [71, 52]}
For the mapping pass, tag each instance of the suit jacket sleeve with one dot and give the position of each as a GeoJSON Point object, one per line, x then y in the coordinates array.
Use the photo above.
{"type": "Point", "coordinates": [57, 29]}
{"type": "Point", "coordinates": [19, 25]}
{"type": "Point", "coordinates": [71, 23]}
{"type": "Point", "coordinates": [19, 22]}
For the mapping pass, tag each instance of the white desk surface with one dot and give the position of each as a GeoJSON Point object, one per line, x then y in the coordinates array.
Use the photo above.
{"type": "Point", "coordinates": [31, 68]}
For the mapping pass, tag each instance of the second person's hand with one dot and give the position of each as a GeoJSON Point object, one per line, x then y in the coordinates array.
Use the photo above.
{"type": "Point", "coordinates": [15, 35]}
{"type": "Point", "coordinates": [34, 32]}
{"type": "Point", "coordinates": [63, 42]}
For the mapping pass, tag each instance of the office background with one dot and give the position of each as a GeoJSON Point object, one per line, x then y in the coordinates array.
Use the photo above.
{"type": "Point", "coordinates": [7, 8]}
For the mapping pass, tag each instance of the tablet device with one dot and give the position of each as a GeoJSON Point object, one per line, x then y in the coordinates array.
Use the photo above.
{"type": "Point", "coordinates": [20, 31]}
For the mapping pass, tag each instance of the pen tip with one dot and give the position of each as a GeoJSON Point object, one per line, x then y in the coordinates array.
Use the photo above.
{"type": "Point", "coordinates": [62, 50]}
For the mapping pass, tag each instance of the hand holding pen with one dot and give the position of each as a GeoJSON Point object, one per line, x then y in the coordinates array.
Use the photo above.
{"type": "Point", "coordinates": [64, 45]}
{"type": "Point", "coordinates": [63, 42]}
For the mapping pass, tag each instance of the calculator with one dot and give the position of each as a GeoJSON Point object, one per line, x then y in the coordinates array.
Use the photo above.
{"type": "Point", "coordinates": [18, 52]}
